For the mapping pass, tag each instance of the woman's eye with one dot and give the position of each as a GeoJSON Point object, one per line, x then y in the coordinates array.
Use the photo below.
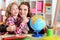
{"type": "Point", "coordinates": [25, 9]}
{"type": "Point", "coordinates": [20, 9]}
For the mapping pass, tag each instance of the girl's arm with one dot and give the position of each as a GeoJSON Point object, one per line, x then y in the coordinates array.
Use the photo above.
{"type": "Point", "coordinates": [23, 27]}
{"type": "Point", "coordinates": [10, 24]}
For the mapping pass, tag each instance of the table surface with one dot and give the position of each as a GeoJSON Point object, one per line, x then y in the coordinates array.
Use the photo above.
{"type": "Point", "coordinates": [55, 37]}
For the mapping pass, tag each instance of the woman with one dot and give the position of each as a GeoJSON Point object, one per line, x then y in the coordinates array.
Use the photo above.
{"type": "Point", "coordinates": [24, 9]}
{"type": "Point", "coordinates": [25, 15]}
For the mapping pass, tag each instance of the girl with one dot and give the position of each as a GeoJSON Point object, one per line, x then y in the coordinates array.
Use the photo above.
{"type": "Point", "coordinates": [24, 13]}
{"type": "Point", "coordinates": [12, 17]}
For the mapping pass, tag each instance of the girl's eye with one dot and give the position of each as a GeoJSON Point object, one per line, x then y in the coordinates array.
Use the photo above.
{"type": "Point", "coordinates": [16, 8]}
{"type": "Point", "coordinates": [12, 9]}
{"type": "Point", "coordinates": [20, 9]}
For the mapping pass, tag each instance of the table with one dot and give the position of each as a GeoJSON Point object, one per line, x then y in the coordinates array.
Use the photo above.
{"type": "Point", "coordinates": [28, 36]}
{"type": "Point", "coordinates": [55, 37]}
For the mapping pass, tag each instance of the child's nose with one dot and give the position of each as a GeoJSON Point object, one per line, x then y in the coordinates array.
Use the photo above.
{"type": "Point", "coordinates": [16, 11]}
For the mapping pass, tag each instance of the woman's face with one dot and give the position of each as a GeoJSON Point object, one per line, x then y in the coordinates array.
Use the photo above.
{"type": "Point", "coordinates": [14, 10]}
{"type": "Point", "coordinates": [23, 11]}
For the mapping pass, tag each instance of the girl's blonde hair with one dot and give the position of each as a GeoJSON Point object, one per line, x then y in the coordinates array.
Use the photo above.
{"type": "Point", "coordinates": [8, 9]}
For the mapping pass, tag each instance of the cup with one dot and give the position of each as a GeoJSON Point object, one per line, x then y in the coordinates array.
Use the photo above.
{"type": "Point", "coordinates": [50, 32]}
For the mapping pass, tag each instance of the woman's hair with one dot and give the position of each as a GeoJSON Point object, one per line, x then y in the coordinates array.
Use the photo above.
{"type": "Point", "coordinates": [28, 5]}
{"type": "Point", "coordinates": [8, 9]}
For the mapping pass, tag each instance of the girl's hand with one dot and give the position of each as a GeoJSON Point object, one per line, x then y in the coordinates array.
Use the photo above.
{"type": "Point", "coordinates": [11, 28]}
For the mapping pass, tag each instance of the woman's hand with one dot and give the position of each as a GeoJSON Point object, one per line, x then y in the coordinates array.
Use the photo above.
{"type": "Point", "coordinates": [26, 20]}
{"type": "Point", "coordinates": [11, 28]}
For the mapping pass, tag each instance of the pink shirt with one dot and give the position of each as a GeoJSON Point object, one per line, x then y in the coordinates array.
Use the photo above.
{"type": "Point", "coordinates": [20, 26]}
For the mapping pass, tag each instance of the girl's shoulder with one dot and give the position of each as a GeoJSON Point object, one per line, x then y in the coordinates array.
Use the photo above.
{"type": "Point", "coordinates": [10, 18]}
{"type": "Point", "coordinates": [18, 18]}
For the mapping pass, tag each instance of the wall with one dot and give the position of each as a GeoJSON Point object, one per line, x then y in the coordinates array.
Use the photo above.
{"type": "Point", "coordinates": [54, 3]}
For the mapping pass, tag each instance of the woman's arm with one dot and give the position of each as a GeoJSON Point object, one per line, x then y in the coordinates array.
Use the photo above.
{"type": "Point", "coordinates": [26, 20]}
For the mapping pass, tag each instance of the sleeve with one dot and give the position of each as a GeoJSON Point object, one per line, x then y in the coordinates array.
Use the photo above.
{"type": "Point", "coordinates": [19, 29]}
{"type": "Point", "coordinates": [9, 21]}
{"type": "Point", "coordinates": [22, 28]}
{"type": "Point", "coordinates": [26, 27]}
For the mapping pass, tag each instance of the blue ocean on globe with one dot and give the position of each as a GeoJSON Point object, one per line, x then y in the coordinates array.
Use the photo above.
{"type": "Point", "coordinates": [37, 22]}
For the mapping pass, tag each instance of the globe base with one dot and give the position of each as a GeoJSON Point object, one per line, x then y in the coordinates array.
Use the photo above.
{"type": "Point", "coordinates": [37, 34]}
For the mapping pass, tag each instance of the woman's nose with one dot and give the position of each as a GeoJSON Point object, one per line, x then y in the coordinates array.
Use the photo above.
{"type": "Point", "coordinates": [22, 12]}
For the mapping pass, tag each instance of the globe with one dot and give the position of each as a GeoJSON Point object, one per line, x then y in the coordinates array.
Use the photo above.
{"type": "Point", "coordinates": [37, 23]}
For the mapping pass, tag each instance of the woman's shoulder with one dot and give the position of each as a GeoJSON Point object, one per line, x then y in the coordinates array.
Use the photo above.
{"type": "Point", "coordinates": [28, 18]}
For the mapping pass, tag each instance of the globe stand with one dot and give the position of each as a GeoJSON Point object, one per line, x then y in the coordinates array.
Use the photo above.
{"type": "Point", "coordinates": [37, 34]}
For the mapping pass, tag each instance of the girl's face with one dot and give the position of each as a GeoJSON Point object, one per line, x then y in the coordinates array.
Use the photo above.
{"type": "Point", "coordinates": [14, 10]}
{"type": "Point", "coordinates": [23, 11]}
